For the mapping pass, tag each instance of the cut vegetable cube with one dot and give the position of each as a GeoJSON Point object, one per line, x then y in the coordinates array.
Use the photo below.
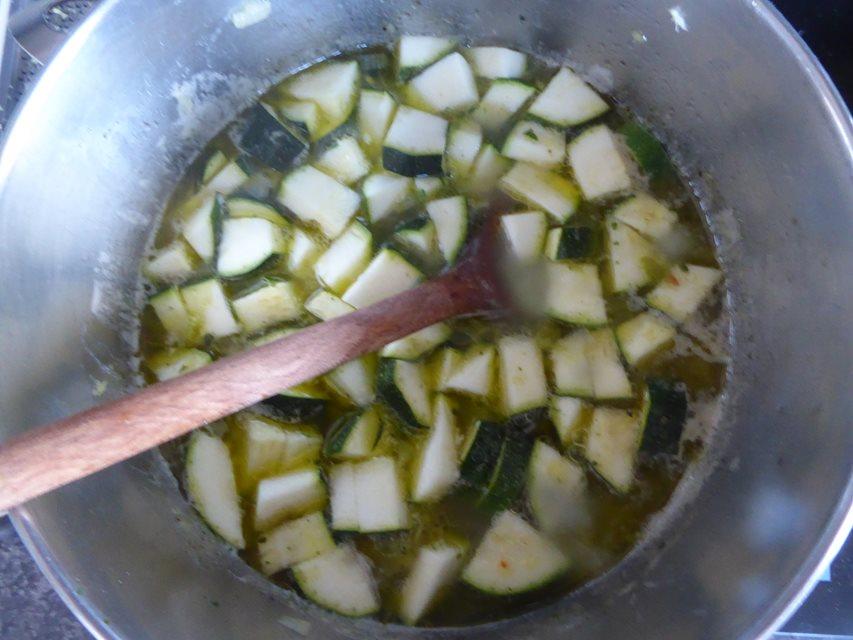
{"type": "Point", "coordinates": [574, 293]}
{"type": "Point", "coordinates": [436, 469]}
{"type": "Point", "coordinates": [303, 116]}
{"type": "Point", "coordinates": [355, 380]}
{"type": "Point", "coordinates": [416, 344]}
{"type": "Point", "coordinates": [387, 275]}
{"type": "Point", "coordinates": [345, 258]}
{"type": "Point", "coordinates": [608, 375]}
{"type": "Point", "coordinates": [568, 415]}
{"type": "Point", "coordinates": [202, 228]}
{"type": "Point", "coordinates": [598, 163]}
{"type": "Point", "coordinates": [612, 444]}
{"type": "Point", "coordinates": [172, 363]}
{"type": "Point", "coordinates": [418, 238]}
{"type": "Point", "coordinates": [325, 305]}
{"type": "Point", "coordinates": [246, 244]}
{"type": "Point", "coordinates": [375, 112]}
{"type": "Point", "coordinates": [556, 491]}
{"type": "Point", "coordinates": [386, 193]}
{"type": "Point", "coordinates": [315, 197]}
{"type": "Point", "coordinates": [416, 52]}
{"type": "Point", "coordinates": [427, 186]}
{"type": "Point", "coordinates": [642, 336]}
{"type": "Point", "coordinates": [529, 141]}
{"type": "Point", "coordinates": [570, 365]}
{"type": "Point", "coordinates": [435, 568]}
{"type": "Point", "coordinates": [267, 304]}
{"type": "Point", "coordinates": [267, 446]}
{"type": "Point", "coordinates": [646, 215]}
{"type": "Point", "coordinates": [507, 479]}
{"type": "Point", "coordinates": [173, 315]}
{"type": "Point", "coordinates": [213, 165]}
{"type": "Point", "coordinates": [207, 303]}
{"type": "Point", "coordinates": [502, 101]}
{"type": "Point", "coordinates": [294, 542]}
{"type": "Point", "coordinates": [567, 101]}
{"type": "Point", "coordinates": [269, 140]}
{"type": "Point", "coordinates": [464, 139]}
{"type": "Point", "coordinates": [663, 417]}
{"type": "Point", "coordinates": [513, 558]}
{"type": "Point", "coordinates": [681, 292]}
{"type": "Point", "coordinates": [304, 251]}
{"type": "Point", "coordinates": [570, 243]}
{"type": "Point", "coordinates": [523, 384]}
{"type": "Point", "coordinates": [173, 263]}
{"type": "Point", "coordinates": [446, 363]}
{"type": "Point", "coordinates": [243, 207]}
{"type": "Point", "coordinates": [344, 161]}
{"type": "Point", "coordinates": [481, 451]}
{"type": "Point", "coordinates": [380, 496]}
{"type": "Point", "coordinates": [415, 143]}
{"type": "Point", "coordinates": [450, 216]}
{"type": "Point", "coordinates": [487, 170]}
{"type": "Point", "coordinates": [541, 189]}
{"type": "Point", "coordinates": [497, 62]}
{"type": "Point", "coordinates": [525, 234]}
{"type": "Point", "coordinates": [406, 390]}
{"type": "Point", "coordinates": [287, 495]}
{"type": "Point", "coordinates": [475, 373]}
{"type": "Point", "coordinates": [633, 261]}
{"type": "Point", "coordinates": [226, 180]}
{"type": "Point", "coordinates": [343, 497]}
{"type": "Point", "coordinates": [212, 489]}
{"type": "Point", "coordinates": [339, 580]}
{"type": "Point", "coordinates": [354, 435]}
{"type": "Point", "coordinates": [445, 86]}
{"type": "Point", "coordinates": [332, 85]}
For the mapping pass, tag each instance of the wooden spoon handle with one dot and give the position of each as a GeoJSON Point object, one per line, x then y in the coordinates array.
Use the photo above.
{"type": "Point", "coordinates": [69, 449]}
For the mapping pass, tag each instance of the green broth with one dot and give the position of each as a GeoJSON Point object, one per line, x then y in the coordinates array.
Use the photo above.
{"type": "Point", "coordinates": [617, 521]}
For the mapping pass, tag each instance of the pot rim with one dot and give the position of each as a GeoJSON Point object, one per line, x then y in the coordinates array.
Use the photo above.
{"type": "Point", "coordinates": [837, 528]}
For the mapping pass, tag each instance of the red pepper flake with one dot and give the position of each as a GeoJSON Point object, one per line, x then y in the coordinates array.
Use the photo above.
{"type": "Point", "coordinates": [504, 564]}
{"type": "Point", "coordinates": [672, 280]}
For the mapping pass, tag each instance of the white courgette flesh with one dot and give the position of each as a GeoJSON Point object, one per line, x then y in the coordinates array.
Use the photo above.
{"type": "Point", "coordinates": [207, 303]}
{"type": "Point", "coordinates": [355, 380]}
{"type": "Point", "coordinates": [497, 62]}
{"type": "Point", "coordinates": [464, 139]}
{"type": "Point", "coordinates": [513, 557]}
{"type": "Point", "coordinates": [568, 416]}
{"type": "Point", "coordinates": [333, 86]}
{"type": "Point", "coordinates": [385, 194]}
{"type": "Point", "coordinates": [294, 542]}
{"type": "Point", "coordinates": [202, 228]}
{"type": "Point", "coordinates": [212, 488]}
{"type": "Point", "coordinates": [304, 251]}
{"type": "Point", "coordinates": [173, 263]}
{"type": "Point", "coordinates": [173, 315]}
{"type": "Point", "coordinates": [529, 141]}
{"type": "Point", "coordinates": [318, 198]}
{"type": "Point", "coordinates": [612, 444]}
{"type": "Point", "coordinates": [608, 375]}
{"type": "Point", "coordinates": [474, 374]}
{"type": "Point", "coordinates": [246, 244]}
{"type": "Point", "coordinates": [567, 101]}
{"type": "Point", "coordinates": [542, 189]}
{"type": "Point", "coordinates": [268, 447]}
{"type": "Point", "coordinates": [647, 215]}
{"type": "Point", "coordinates": [368, 496]}
{"type": "Point", "coordinates": [450, 217]}
{"type": "Point", "coordinates": [525, 234]}
{"type": "Point", "coordinates": [436, 468]}
{"type": "Point", "coordinates": [405, 388]}
{"type": "Point", "coordinates": [415, 143]}
{"type": "Point", "coordinates": [345, 258]}
{"type": "Point", "coordinates": [598, 163]}
{"type": "Point", "coordinates": [486, 172]}
{"type": "Point", "coordinates": [574, 293]}
{"type": "Point", "coordinates": [375, 112]}
{"type": "Point", "coordinates": [172, 363]}
{"type": "Point", "coordinates": [633, 261]}
{"type": "Point", "coordinates": [445, 86]}
{"type": "Point", "coordinates": [501, 102]}
{"type": "Point", "coordinates": [556, 491]}
{"type": "Point", "coordinates": [339, 580]}
{"type": "Point", "coordinates": [388, 274]}
{"type": "Point", "coordinates": [344, 161]}
{"type": "Point", "coordinates": [287, 495]}
{"type": "Point", "coordinates": [522, 373]}
{"type": "Point", "coordinates": [325, 305]}
{"type": "Point", "coordinates": [417, 344]}
{"type": "Point", "coordinates": [416, 52]}
{"type": "Point", "coordinates": [269, 303]}
{"type": "Point", "coordinates": [643, 335]}
{"type": "Point", "coordinates": [435, 567]}
{"type": "Point", "coordinates": [354, 436]}
{"type": "Point", "coordinates": [683, 289]}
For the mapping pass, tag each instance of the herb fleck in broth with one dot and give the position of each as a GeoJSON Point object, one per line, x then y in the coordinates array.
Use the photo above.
{"type": "Point", "coordinates": [691, 365]}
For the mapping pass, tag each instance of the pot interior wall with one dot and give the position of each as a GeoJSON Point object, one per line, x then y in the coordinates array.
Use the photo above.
{"type": "Point", "coordinates": [138, 92]}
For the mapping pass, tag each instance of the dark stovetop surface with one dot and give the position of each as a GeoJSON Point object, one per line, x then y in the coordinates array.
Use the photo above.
{"type": "Point", "coordinates": [30, 610]}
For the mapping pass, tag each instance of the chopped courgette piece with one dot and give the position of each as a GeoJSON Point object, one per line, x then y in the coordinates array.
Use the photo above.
{"type": "Point", "coordinates": [570, 243]}
{"type": "Point", "coordinates": [474, 374]}
{"type": "Point", "coordinates": [509, 474]}
{"type": "Point", "coordinates": [267, 303]}
{"type": "Point", "coordinates": [325, 305]}
{"type": "Point", "coordinates": [269, 140]}
{"type": "Point", "coordinates": [598, 164]}
{"type": "Point", "coordinates": [380, 496]}
{"type": "Point", "coordinates": [568, 415]}
{"type": "Point", "coordinates": [417, 237]}
{"type": "Point", "coordinates": [246, 244]}
{"type": "Point", "coordinates": [226, 180]}
{"type": "Point", "coordinates": [387, 275]}
{"type": "Point", "coordinates": [436, 467]}
{"type": "Point", "coordinates": [345, 258]}
{"type": "Point", "coordinates": [304, 251]}
{"type": "Point", "coordinates": [386, 194]}
{"type": "Point", "coordinates": [464, 139]}
{"type": "Point", "coordinates": [294, 542]}
{"type": "Point", "coordinates": [417, 52]}
{"type": "Point", "coordinates": [354, 435]}
{"type": "Point", "coordinates": [173, 315]}
{"type": "Point", "coordinates": [405, 387]}
{"type": "Point", "coordinates": [567, 101]}
{"type": "Point", "coordinates": [642, 336]}
{"type": "Point", "coordinates": [344, 160]}
{"type": "Point", "coordinates": [445, 86]}
{"type": "Point", "coordinates": [513, 558]}
{"type": "Point", "coordinates": [427, 186]}
{"type": "Point", "coordinates": [172, 363]}
{"type": "Point", "coordinates": [315, 197]}
{"type": "Point", "coordinates": [556, 491]}
{"type": "Point", "coordinates": [646, 149]}
{"type": "Point", "coordinates": [243, 207]}
{"type": "Point", "coordinates": [173, 263]}
{"type": "Point", "coordinates": [414, 345]}
{"type": "Point", "coordinates": [450, 216]}
{"type": "Point", "coordinates": [339, 580]}
{"type": "Point", "coordinates": [529, 141]}
{"type": "Point", "coordinates": [608, 375]}
{"type": "Point", "coordinates": [344, 502]}
{"type": "Point", "coordinates": [287, 495]}
{"type": "Point", "coordinates": [633, 262]}
{"type": "Point", "coordinates": [207, 303]}
{"type": "Point", "coordinates": [435, 567]}
{"type": "Point", "coordinates": [541, 189]}
{"type": "Point", "coordinates": [681, 291]}
{"type": "Point", "coordinates": [375, 112]}
{"type": "Point", "coordinates": [415, 143]}
{"type": "Point", "coordinates": [574, 294]}
{"type": "Point", "coordinates": [333, 86]}
{"type": "Point", "coordinates": [212, 489]}
{"type": "Point", "coordinates": [500, 104]}
{"type": "Point", "coordinates": [215, 162]}
{"type": "Point", "coordinates": [664, 415]}
{"type": "Point", "coordinates": [487, 170]}
{"type": "Point", "coordinates": [303, 116]}
{"type": "Point", "coordinates": [523, 383]}
{"type": "Point", "coordinates": [525, 234]}
{"type": "Point", "coordinates": [611, 446]}
{"type": "Point", "coordinates": [481, 452]}
{"type": "Point", "coordinates": [570, 365]}
{"type": "Point", "coordinates": [203, 227]}
{"type": "Point", "coordinates": [647, 215]}
{"type": "Point", "coordinates": [497, 62]}
{"type": "Point", "coordinates": [355, 380]}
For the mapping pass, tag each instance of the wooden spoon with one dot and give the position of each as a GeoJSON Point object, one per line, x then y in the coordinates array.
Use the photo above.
{"type": "Point", "coordinates": [69, 449]}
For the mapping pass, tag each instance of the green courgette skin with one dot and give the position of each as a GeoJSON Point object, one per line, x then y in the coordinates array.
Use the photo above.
{"type": "Point", "coordinates": [270, 141]}
{"type": "Point", "coordinates": [510, 474]}
{"type": "Point", "coordinates": [646, 149]}
{"type": "Point", "coordinates": [386, 386]}
{"type": "Point", "coordinates": [405, 164]}
{"type": "Point", "coordinates": [665, 418]}
{"type": "Point", "coordinates": [576, 243]}
{"type": "Point", "coordinates": [483, 454]}
{"type": "Point", "coordinates": [296, 408]}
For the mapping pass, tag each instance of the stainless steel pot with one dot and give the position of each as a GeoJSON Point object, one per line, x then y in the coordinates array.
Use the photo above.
{"type": "Point", "coordinates": [99, 144]}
